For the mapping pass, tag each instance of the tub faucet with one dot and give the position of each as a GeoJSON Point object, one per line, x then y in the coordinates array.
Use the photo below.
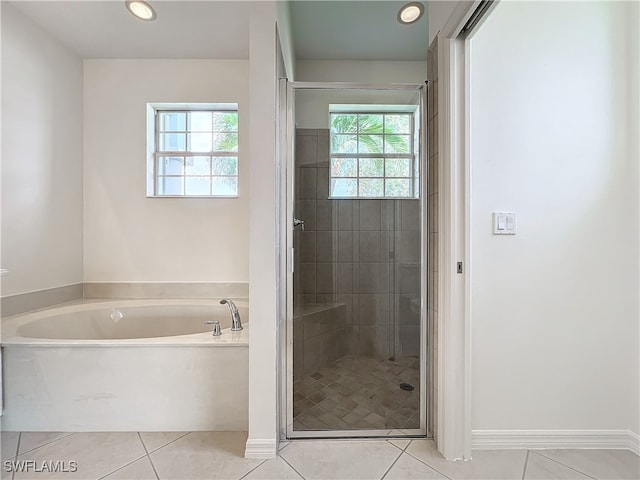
{"type": "Point", "coordinates": [236, 323]}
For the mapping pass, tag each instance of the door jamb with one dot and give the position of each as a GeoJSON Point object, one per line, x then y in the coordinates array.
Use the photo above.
{"type": "Point", "coordinates": [454, 217]}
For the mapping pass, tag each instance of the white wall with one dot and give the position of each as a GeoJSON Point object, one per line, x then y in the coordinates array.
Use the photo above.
{"type": "Point", "coordinates": [263, 293]}
{"type": "Point", "coordinates": [41, 158]}
{"type": "Point", "coordinates": [283, 21]}
{"type": "Point", "coordinates": [554, 114]}
{"type": "Point", "coordinates": [129, 237]}
{"type": "Point", "coordinates": [361, 71]}
{"type": "Point", "coordinates": [312, 106]}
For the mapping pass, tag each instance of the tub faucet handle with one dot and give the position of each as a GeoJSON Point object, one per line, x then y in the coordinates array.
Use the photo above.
{"type": "Point", "coordinates": [216, 327]}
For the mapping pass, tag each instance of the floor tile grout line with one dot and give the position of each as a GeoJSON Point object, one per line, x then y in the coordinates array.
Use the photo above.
{"type": "Point", "coordinates": [401, 449]}
{"type": "Point", "coordinates": [394, 445]}
{"type": "Point", "coordinates": [149, 456]}
{"type": "Point", "coordinates": [121, 467]}
{"type": "Point", "coordinates": [15, 457]}
{"type": "Point", "coordinates": [253, 469]}
{"type": "Point", "coordinates": [166, 444]}
{"type": "Point", "coordinates": [430, 466]}
{"type": "Point", "coordinates": [526, 462]}
{"type": "Point", "coordinates": [289, 443]}
{"type": "Point", "coordinates": [564, 465]}
{"type": "Point", "coordinates": [405, 448]}
{"type": "Point", "coordinates": [294, 468]}
{"type": "Point", "coordinates": [392, 464]}
{"type": "Point", "coordinates": [68, 434]}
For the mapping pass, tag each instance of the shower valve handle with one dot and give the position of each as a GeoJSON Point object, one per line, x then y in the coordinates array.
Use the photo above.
{"type": "Point", "coordinates": [298, 223]}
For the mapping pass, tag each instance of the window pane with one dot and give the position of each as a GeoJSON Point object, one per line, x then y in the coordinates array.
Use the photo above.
{"type": "Point", "coordinates": [186, 141]}
{"type": "Point", "coordinates": [397, 144]}
{"type": "Point", "coordinates": [397, 187]}
{"type": "Point", "coordinates": [225, 166]}
{"type": "Point", "coordinates": [225, 142]}
{"type": "Point", "coordinates": [370, 187]}
{"type": "Point", "coordinates": [197, 185]}
{"type": "Point", "coordinates": [344, 167]}
{"type": "Point", "coordinates": [173, 121]}
{"type": "Point", "coordinates": [225, 121]}
{"type": "Point", "coordinates": [397, 123]}
{"type": "Point", "coordinates": [344, 144]}
{"type": "Point", "coordinates": [370, 144]}
{"type": "Point", "coordinates": [170, 186]}
{"type": "Point", "coordinates": [344, 187]}
{"type": "Point", "coordinates": [172, 142]}
{"type": "Point", "coordinates": [362, 135]}
{"type": "Point", "coordinates": [398, 167]}
{"type": "Point", "coordinates": [344, 123]}
{"type": "Point", "coordinates": [200, 142]}
{"type": "Point", "coordinates": [225, 186]}
{"type": "Point", "coordinates": [198, 166]}
{"type": "Point", "coordinates": [170, 166]}
{"type": "Point", "coordinates": [200, 122]}
{"type": "Point", "coordinates": [371, 167]}
{"type": "Point", "coordinates": [369, 124]}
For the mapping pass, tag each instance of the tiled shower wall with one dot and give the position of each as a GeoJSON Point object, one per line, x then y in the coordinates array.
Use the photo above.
{"type": "Point", "coordinates": [432, 122]}
{"type": "Point", "coordinates": [362, 253]}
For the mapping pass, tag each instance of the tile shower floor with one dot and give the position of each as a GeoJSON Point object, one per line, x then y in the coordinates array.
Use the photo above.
{"type": "Point", "coordinates": [219, 455]}
{"type": "Point", "coordinates": [359, 393]}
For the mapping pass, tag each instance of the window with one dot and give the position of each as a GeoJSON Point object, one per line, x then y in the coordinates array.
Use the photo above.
{"type": "Point", "coordinates": [195, 153]}
{"type": "Point", "coordinates": [372, 155]}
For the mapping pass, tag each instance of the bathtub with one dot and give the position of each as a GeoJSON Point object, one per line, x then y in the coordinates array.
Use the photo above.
{"type": "Point", "coordinates": [129, 365]}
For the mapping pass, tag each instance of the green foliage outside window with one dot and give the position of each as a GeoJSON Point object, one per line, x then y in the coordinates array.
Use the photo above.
{"type": "Point", "coordinates": [372, 155]}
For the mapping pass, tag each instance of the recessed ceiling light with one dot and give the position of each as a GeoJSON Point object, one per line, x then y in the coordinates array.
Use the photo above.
{"type": "Point", "coordinates": [141, 9]}
{"type": "Point", "coordinates": [410, 12]}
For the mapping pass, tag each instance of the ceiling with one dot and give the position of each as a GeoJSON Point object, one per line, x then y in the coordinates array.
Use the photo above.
{"type": "Point", "coordinates": [356, 30]}
{"type": "Point", "coordinates": [328, 30]}
{"type": "Point", "coordinates": [183, 29]}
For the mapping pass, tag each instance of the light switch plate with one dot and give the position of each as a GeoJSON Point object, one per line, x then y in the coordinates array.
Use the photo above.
{"type": "Point", "coordinates": [504, 223]}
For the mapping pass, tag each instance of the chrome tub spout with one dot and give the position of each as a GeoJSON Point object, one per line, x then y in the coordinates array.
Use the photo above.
{"type": "Point", "coordinates": [236, 323]}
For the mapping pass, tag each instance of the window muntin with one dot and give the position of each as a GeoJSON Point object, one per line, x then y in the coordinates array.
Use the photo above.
{"type": "Point", "coordinates": [196, 153]}
{"type": "Point", "coordinates": [372, 155]}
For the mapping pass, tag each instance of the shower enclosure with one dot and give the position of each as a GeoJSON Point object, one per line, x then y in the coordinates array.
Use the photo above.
{"type": "Point", "coordinates": [355, 337]}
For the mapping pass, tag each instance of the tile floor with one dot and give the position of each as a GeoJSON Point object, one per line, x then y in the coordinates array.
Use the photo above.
{"type": "Point", "coordinates": [218, 455]}
{"type": "Point", "coordinates": [359, 393]}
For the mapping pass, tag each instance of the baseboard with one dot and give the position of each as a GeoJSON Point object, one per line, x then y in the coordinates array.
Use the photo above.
{"type": "Point", "coordinates": [261, 448]}
{"type": "Point", "coordinates": [634, 443]}
{"type": "Point", "coordinates": [547, 439]}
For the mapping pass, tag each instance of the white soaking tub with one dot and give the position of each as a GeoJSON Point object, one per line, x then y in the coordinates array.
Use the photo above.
{"type": "Point", "coordinates": [126, 365]}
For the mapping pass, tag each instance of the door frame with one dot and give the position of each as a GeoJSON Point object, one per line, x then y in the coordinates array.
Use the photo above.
{"type": "Point", "coordinates": [287, 140]}
{"type": "Point", "coordinates": [454, 416]}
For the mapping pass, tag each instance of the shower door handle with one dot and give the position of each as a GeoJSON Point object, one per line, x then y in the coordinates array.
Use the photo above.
{"type": "Point", "coordinates": [298, 223]}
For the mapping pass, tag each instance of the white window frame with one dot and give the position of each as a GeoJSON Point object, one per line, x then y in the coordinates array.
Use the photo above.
{"type": "Point", "coordinates": [414, 178]}
{"type": "Point", "coordinates": [153, 152]}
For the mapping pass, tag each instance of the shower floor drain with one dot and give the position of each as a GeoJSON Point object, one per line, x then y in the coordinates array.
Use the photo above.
{"type": "Point", "coordinates": [407, 386]}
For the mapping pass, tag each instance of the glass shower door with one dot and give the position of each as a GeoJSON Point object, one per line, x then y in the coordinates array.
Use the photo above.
{"type": "Point", "coordinates": [357, 325]}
